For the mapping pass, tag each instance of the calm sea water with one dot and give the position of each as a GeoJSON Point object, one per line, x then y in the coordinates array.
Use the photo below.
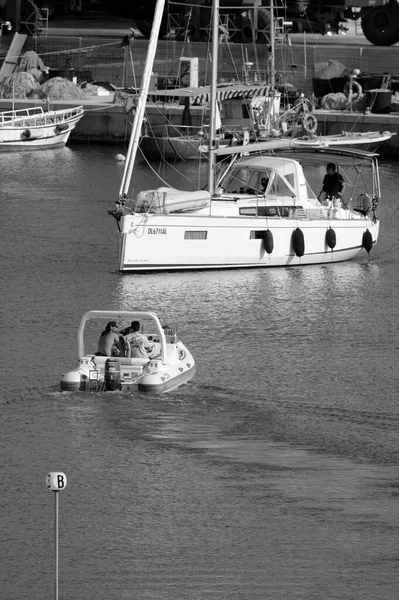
{"type": "Point", "coordinates": [272, 474]}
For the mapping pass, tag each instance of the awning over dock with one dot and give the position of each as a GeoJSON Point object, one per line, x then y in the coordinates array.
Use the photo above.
{"type": "Point", "coordinates": [201, 95]}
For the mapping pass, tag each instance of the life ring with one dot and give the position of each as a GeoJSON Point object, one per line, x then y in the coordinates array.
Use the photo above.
{"type": "Point", "coordinates": [25, 135]}
{"type": "Point", "coordinates": [354, 89]}
{"type": "Point", "coordinates": [309, 123]}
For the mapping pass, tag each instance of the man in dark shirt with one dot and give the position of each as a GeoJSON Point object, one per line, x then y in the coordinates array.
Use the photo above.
{"type": "Point", "coordinates": [333, 182]}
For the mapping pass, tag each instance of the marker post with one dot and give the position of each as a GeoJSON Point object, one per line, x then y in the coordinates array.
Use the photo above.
{"type": "Point", "coordinates": [56, 482]}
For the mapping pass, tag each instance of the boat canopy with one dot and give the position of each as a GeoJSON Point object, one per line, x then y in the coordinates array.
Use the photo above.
{"type": "Point", "coordinates": [342, 156]}
{"type": "Point", "coordinates": [118, 315]}
{"type": "Point", "coordinates": [285, 177]}
{"type": "Point", "coordinates": [202, 95]}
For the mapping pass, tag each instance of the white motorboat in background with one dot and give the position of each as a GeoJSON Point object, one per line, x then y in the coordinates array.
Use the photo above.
{"type": "Point", "coordinates": [35, 128]}
{"type": "Point", "coordinates": [168, 366]}
{"type": "Point", "coordinates": [238, 221]}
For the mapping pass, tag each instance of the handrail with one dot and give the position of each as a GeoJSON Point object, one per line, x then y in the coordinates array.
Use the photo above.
{"type": "Point", "coordinates": [25, 117]}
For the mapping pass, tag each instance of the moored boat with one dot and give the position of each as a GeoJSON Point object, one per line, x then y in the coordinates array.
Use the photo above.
{"type": "Point", "coordinates": [244, 225]}
{"type": "Point", "coordinates": [167, 365]}
{"type": "Point", "coordinates": [35, 128]}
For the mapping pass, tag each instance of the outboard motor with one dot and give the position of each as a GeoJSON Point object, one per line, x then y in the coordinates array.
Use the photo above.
{"type": "Point", "coordinates": [112, 374]}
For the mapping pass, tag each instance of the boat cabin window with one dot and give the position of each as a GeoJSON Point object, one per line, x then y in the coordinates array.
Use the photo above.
{"type": "Point", "coordinates": [269, 211]}
{"type": "Point", "coordinates": [311, 195]}
{"type": "Point", "coordinates": [247, 181]}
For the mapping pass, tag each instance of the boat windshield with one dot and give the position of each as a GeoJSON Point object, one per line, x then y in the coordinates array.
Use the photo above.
{"type": "Point", "coordinates": [282, 186]}
{"type": "Point", "coordinates": [311, 195]}
{"type": "Point", "coordinates": [247, 181]}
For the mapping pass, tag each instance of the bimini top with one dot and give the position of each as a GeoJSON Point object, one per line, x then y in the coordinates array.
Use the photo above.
{"type": "Point", "coordinates": [344, 156]}
{"type": "Point", "coordinates": [118, 315]}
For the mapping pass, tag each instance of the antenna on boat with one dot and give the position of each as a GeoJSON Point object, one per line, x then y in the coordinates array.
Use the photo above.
{"type": "Point", "coordinates": [145, 84]}
{"type": "Point", "coordinates": [212, 114]}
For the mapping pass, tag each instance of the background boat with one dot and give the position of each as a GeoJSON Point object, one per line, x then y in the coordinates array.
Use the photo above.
{"type": "Point", "coordinates": [33, 128]}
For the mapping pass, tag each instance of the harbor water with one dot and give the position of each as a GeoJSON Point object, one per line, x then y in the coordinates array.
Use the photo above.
{"type": "Point", "coordinates": [272, 474]}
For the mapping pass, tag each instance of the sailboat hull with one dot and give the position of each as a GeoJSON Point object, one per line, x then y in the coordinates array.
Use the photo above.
{"type": "Point", "coordinates": [175, 243]}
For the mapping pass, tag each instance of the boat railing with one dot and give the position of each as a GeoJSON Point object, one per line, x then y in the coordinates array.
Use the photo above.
{"type": "Point", "coordinates": [315, 213]}
{"type": "Point", "coordinates": [28, 117]}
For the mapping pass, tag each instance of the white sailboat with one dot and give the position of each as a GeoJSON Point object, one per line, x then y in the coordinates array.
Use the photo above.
{"type": "Point", "coordinates": [261, 210]}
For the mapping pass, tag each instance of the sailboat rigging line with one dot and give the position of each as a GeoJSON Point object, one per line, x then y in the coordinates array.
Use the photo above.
{"type": "Point", "coordinates": [138, 118]}
{"type": "Point", "coordinates": [169, 165]}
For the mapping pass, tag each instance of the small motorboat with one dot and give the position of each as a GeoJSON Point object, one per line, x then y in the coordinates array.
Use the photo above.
{"type": "Point", "coordinates": [168, 365]}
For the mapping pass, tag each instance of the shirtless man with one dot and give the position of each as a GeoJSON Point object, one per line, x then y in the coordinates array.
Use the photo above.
{"type": "Point", "coordinates": [108, 344]}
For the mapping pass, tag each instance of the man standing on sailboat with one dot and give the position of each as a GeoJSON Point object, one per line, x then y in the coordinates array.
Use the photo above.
{"type": "Point", "coordinates": [333, 182]}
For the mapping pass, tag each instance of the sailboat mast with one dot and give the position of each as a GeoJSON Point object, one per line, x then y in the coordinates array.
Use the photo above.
{"type": "Point", "coordinates": [142, 100]}
{"type": "Point", "coordinates": [272, 44]}
{"type": "Point", "coordinates": [212, 115]}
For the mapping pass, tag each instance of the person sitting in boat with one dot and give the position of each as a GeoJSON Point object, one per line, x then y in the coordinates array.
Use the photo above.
{"type": "Point", "coordinates": [127, 330]}
{"type": "Point", "coordinates": [333, 182]}
{"type": "Point", "coordinates": [140, 346]}
{"type": "Point", "coordinates": [264, 183]}
{"type": "Point", "coordinates": [109, 342]}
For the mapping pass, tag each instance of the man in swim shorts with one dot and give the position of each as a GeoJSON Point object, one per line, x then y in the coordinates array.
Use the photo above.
{"type": "Point", "coordinates": [108, 344]}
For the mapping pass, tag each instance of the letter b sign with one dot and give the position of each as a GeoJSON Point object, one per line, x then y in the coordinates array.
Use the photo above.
{"type": "Point", "coordinates": [56, 481]}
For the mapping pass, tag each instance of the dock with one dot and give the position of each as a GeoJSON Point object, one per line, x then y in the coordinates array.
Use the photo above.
{"type": "Point", "coordinates": [296, 60]}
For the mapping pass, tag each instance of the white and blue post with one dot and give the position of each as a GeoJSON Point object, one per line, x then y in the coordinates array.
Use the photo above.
{"type": "Point", "coordinates": [56, 482]}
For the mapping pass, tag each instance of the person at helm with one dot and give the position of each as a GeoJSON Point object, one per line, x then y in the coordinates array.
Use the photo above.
{"type": "Point", "coordinates": [140, 346]}
{"type": "Point", "coordinates": [333, 182]}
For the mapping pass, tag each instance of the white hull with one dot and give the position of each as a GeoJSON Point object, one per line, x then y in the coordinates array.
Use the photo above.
{"type": "Point", "coordinates": [34, 128]}
{"type": "Point", "coordinates": [166, 367]}
{"type": "Point", "coordinates": [161, 242]}
{"type": "Point", "coordinates": [90, 374]}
